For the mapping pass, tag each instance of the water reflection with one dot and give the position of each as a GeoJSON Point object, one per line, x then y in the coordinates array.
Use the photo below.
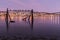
{"type": "Point", "coordinates": [52, 19]}
{"type": "Point", "coordinates": [34, 22]}
{"type": "Point", "coordinates": [30, 19]}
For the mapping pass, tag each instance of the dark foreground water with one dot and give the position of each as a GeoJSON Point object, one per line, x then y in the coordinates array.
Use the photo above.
{"type": "Point", "coordinates": [43, 28]}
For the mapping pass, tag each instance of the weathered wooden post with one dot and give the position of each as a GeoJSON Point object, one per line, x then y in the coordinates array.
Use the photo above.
{"type": "Point", "coordinates": [7, 14]}
{"type": "Point", "coordinates": [32, 19]}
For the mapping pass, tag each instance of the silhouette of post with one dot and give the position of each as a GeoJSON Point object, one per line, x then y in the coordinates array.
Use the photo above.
{"type": "Point", "coordinates": [31, 23]}
{"type": "Point", "coordinates": [7, 19]}
{"type": "Point", "coordinates": [32, 19]}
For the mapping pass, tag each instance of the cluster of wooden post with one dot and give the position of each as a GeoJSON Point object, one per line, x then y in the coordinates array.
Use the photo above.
{"type": "Point", "coordinates": [7, 15]}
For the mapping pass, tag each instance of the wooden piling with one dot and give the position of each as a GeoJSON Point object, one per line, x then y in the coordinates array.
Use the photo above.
{"type": "Point", "coordinates": [32, 19]}
{"type": "Point", "coordinates": [7, 19]}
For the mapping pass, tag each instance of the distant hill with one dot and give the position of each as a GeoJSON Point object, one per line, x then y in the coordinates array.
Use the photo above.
{"type": "Point", "coordinates": [29, 11]}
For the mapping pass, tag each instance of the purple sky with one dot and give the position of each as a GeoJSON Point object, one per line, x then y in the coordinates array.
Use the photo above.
{"type": "Point", "coordinates": [37, 5]}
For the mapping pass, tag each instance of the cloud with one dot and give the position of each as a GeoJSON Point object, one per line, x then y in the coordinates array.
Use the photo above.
{"type": "Point", "coordinates": [30, 4]}
{"type": "Point", "coordinates": [37, 5]}
{"type": "Point", "coordinates": [24, 4]}
{"type": "Point", "coordinates": [17, 2]}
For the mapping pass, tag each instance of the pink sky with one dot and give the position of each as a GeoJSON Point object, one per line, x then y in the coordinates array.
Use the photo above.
{"type": "Point", "coordinates": [37, 5]}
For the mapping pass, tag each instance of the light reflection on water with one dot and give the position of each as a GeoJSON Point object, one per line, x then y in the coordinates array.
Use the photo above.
{"type": "Point", "coordinates": [48, 25]}
{"type": "Point", "coordinates": [50, 19]}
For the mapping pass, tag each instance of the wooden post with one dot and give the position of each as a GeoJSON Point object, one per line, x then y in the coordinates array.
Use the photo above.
{"type": "Point", "coordinates": [7, 19]}
{"type": "Point", "coordinates": [32, 17]}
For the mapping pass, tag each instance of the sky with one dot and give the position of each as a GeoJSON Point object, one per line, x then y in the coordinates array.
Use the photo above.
{"type": "Point", "coordinates": [36, 5]}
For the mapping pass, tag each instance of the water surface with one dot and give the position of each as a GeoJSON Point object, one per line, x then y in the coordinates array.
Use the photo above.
{"type": "Point", "coordinates": [44, 26]}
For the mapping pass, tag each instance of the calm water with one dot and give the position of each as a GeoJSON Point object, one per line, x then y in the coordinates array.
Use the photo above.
{"type": "Point", "coordinates": [47, 27]}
